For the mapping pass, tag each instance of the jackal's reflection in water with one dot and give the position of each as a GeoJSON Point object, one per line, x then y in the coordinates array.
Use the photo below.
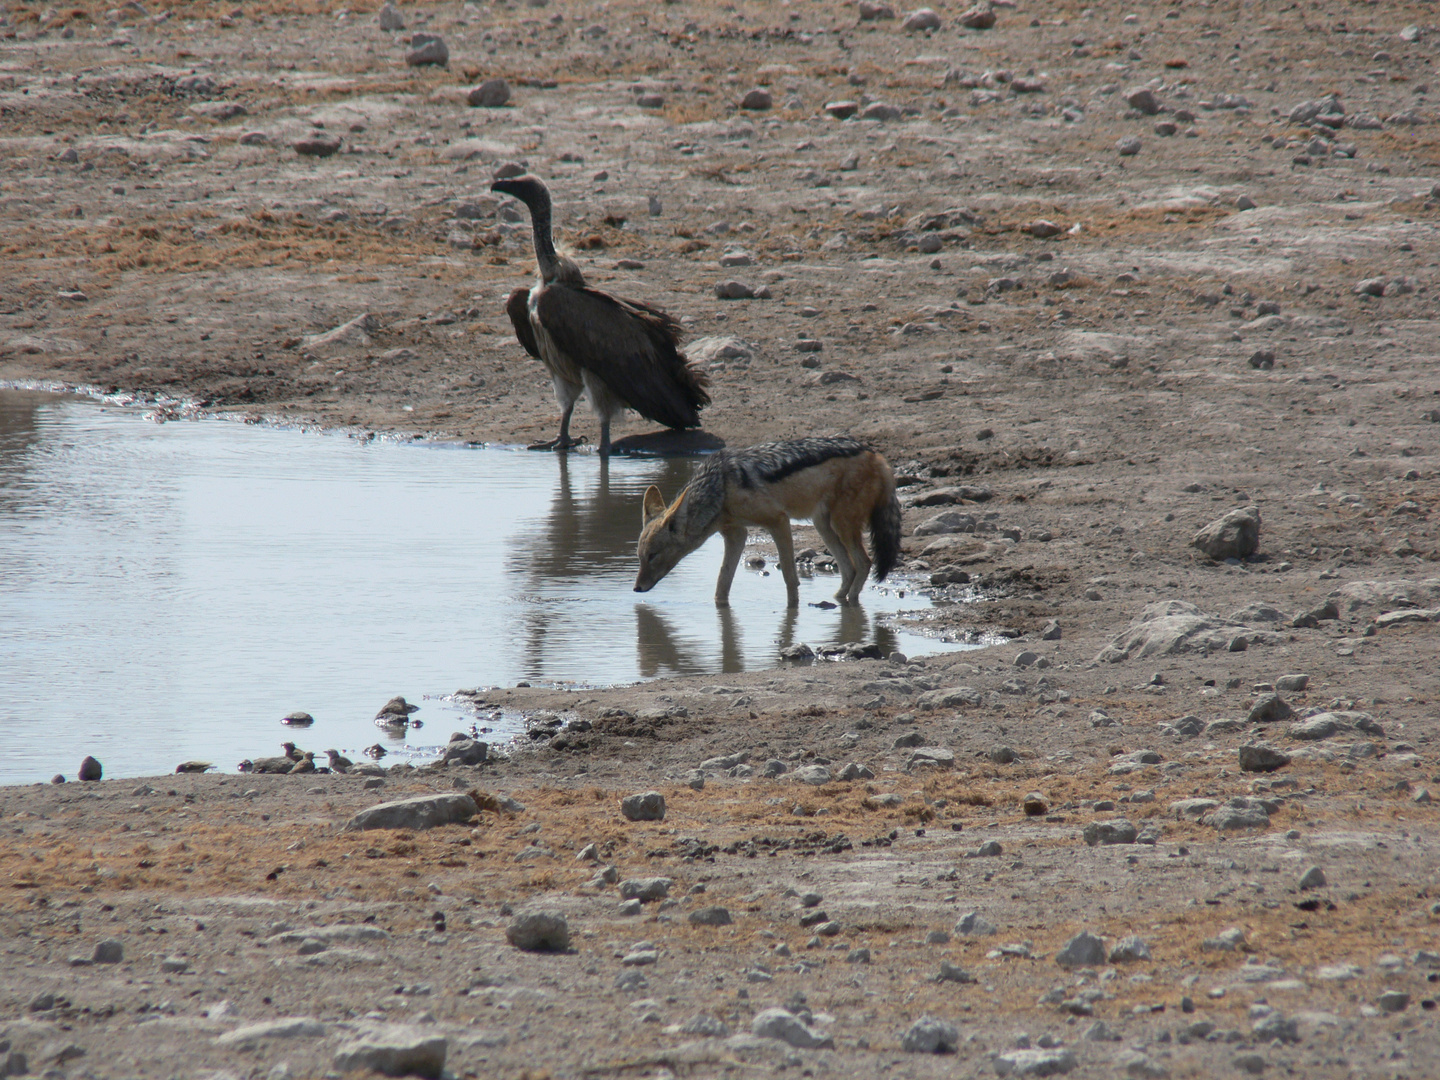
{"type": "Point", "coordinates": [584, 534]}
{"type": "Point", "coordinates": [662, 651]}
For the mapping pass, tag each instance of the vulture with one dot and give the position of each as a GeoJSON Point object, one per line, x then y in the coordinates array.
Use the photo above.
{"type": "Point", "coordinates": [623, 354]}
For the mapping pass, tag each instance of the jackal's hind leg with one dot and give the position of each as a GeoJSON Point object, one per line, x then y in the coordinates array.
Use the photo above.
{"type": "Point", "coordinates": [861, 561]}
{"type": "Point", "coordinates": [840, 553]}
{"type": "Point", "coordinates": [734, 548]}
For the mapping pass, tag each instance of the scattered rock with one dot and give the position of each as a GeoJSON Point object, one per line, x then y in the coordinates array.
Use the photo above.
{"type": "Point", "coordinates": [1082, 950]}
{"type": "Point", "coordinates": [1142, 99]}
{"type": "Point", "coordinates": [714, 915]}
{"type": "Point", "coordinates": [1129, 146]}
{"type": "Point", "coordinates": [1328, 724]}
{"type": "Point", "coordinates": [1314, 878]}
{"type": "Point", "coordinates": [930, 757]}
{"type": "Point", "coordinates": [109, 951]}
{"type": "Point", "coordinates": [1275, 1026]}
{"type": "Point", "coordinates": [1238, 813]}
{"type": "Point", "coordinates": [705, 1026]}
{"type": "Point", "coordinates": [643, 806]}
{"type": "Point", "coordinates": [287, 1027]}
{"type": "Point", "coordinates": [1393, 1001]}
{"type": "Point", "coordinates": [979, 17]}
{"type": "Point", "coordinates": [787, 1027]}
{"type": "Point", "coordinates": [490, 94]}
{"type": "Point", "coordinates": [973, 924]}
{"type": "Point", "coordinates": [422, 812]}
{"type": "Point", "coordinates": [317, 144]}
{"type": "Point", "coordinates": [646, 890]}
{"type": "Point", "coordinates": [1035, 805]}
{"type": "Point", "coordinates": [1236, 535]}
{"type": "Point", "coordinates": [930, 1036]}
{"type": "Point", "coordinates": [539, 931]}
{"type": "Point", "coordinates": [734, 290]}
{"type": "Point", "coordinates": [1174, 627]}
{"type": "Point", "coordinates": [390, 18]}
{"type": "Point", "coordinates": [1269, 708]}
{"type": "Point", "coordinates": [922, 19]}
{"type": "Point", "coordinates": [90, 769]}
{"type": "Point", "coordinates": [1129, 949]}
{"type": "Point", "coordinates": [950, 973]}
{"type": "Point", "coordinates": [463, 750]}
{"type": "Point", "coordinates": [1054, 1062]}
{"type": "Point", "coordinates": [427, 49]}
{"type": "Point", "coordinates": [394, 1051]}
{"type": "Point", "coordinates": [1118, 831]}
{"type": "Point", "coordinates": [757, 100]}
{"type": "Point", "coordinates": [1231, 940]}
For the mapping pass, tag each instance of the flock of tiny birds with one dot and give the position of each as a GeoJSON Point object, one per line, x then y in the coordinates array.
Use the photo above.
{"type": "Point", "coordinates": [394, 714]}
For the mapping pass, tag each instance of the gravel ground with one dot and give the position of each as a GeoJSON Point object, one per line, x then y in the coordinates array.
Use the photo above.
{"type": "Point", "coordinates": [1090, 353]}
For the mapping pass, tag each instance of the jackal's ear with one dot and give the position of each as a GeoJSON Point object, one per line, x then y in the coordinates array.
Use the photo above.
{"type": "Point", "coordinates": [654, 505]}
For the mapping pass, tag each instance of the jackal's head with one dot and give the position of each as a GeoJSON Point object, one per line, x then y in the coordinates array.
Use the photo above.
{"type": "Point", "coordinates": [662, 544]}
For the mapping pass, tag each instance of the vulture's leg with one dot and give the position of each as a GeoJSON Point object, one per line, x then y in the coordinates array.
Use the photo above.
{"type": "Point", "coordinates": [566, 395]}
{"type": "Point", "coordinates": [605, 436]}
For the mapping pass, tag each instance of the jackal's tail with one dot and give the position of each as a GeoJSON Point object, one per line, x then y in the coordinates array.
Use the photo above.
{"type": "Point", "coordinates": [885, 535]}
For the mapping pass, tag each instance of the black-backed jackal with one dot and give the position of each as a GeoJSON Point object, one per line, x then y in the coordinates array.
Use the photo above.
{"type": "Point", "coordinates": [838, 483]}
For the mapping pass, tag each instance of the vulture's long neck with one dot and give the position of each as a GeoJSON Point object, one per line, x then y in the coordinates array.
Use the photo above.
{"type": "Point", "coordinates": [540, 223]}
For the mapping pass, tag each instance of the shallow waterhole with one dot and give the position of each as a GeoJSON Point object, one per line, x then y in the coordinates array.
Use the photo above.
{"type": "Point", "coordinates": [169, 591]}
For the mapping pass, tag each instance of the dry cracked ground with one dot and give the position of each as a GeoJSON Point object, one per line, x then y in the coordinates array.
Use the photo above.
{"type": "Point", "coordinates": [1091, 277]}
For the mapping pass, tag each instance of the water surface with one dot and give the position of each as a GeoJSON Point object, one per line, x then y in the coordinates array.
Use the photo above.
{"type": "Point", "coordinates": [168, 591]}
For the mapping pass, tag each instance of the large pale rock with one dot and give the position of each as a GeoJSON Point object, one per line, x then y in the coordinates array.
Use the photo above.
{"type": "Point", "coordinates": [1035, 1062]}
{"type": "Point", "coordinates": [354, 333]}
{"type": "Point", "coordinates": [463, 750]}
{"type": "Point", "coordinates": [922, 19]}
{"type": "Point", "coordinates": [1387, 594]}
{"type": "Point", "coordinates": [930, 1036]}
{"type": "Point", "coordinates": [1327, 724]}
{"type": "Point", "coordinates": [427, 49]}
{"type": "Point", "coordinates": [789, 1028]}
{"type": "Point", "coordinates": [1117, 831]}
{"type": "Point", "coordinates": [395, 1050]}
{"type": "Point", "coordinates": [643, 806]}
{"type": "Point", "coordinates": [317, 144]}
{"type": "Point", "coordinates": [1234, 536]}
{"type": "Point", "coordinates": [287, 1027]}
{"type": "Point", "coordinates": [390, 18]}
{"type": "Point", "coordinates": [539, 931]}
{"type": "Point", "coordinates": [490, 94]}
{"type": "Point", "coordinates": [930, 757]}
{"type": "Point", "coordinates": [1262, 757]}
{"type": "Point", "coordinates": [424, 812]}
{"type": "Point", "coordinates": [979, 17]}
{"type": "Point", "coordinates": [646, 889]}
{"type": "Point", "coordinates": [1083, 950]}
{"type": "Point", "coordinates": [706, 351]}
{"type": "Point", "coordinates": [951, 697]}
{"type": "Point", "coordinates": [1174, 627]}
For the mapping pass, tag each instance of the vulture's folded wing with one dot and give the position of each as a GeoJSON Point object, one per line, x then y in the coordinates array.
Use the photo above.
{"type": "Point", "coordinates": [518, 308]}
{"type": "Point", "coordinates": [632, 347]}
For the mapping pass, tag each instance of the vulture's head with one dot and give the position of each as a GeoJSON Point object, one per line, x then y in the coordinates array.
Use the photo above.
{"type": "Point", "coordinates": [530, 190]}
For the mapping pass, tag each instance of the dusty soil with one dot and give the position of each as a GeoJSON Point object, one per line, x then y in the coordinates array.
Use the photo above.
{"type": "Point", "coordinates": [1098, 384]}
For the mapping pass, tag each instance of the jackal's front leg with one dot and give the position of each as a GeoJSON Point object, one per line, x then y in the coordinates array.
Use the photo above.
{"type": "Point", "coordinates": [734, 548]}
{"type": "Point", "coordinates": [785, 547]}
